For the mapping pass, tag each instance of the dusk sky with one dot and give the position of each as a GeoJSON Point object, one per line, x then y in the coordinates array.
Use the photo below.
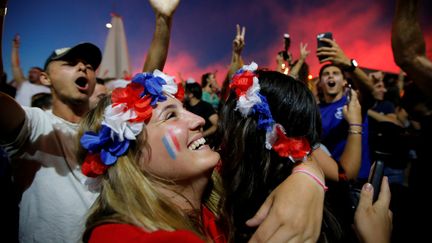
{"type": "Point", "coordinates": [203, 31]}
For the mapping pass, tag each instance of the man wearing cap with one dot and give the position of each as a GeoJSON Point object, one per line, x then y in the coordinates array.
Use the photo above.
{"type": "Point", "coordinates": [54, 194]}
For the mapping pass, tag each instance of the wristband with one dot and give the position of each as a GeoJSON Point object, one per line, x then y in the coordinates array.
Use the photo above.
{"type": "Point", "coordinates": [314, 177]}
{"type": "Point", "coordinates": [355, 132]}
{"type": "Point", "coordinates": [356, 124]}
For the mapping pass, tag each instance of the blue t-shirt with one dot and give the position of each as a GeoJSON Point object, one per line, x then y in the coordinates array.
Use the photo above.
{"type": "Point", "coordinates": [212, 99]}
{"type": "Point", "coordinates": [335, 133]}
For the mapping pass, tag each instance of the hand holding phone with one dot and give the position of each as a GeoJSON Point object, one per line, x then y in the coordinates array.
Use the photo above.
{"type": "Point", "coordinates": [375, 177]}
{"type": "Point", "coordinates": [348, 89]}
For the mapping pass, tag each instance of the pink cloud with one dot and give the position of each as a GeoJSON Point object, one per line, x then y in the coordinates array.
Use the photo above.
{"type": "Point", "coordinates": [354, 27]}
{"type": "Point", "coordinates": [184, 64]}
{"type": "Point", "coordinates": [360, 30]}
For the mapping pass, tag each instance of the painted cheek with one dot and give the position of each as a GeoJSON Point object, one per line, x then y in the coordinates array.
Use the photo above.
{"type": "Point", "coordinates": [171, 143]}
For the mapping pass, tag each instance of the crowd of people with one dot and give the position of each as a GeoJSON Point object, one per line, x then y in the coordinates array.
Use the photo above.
{"type": "Point", "coordinates": [268, 156]}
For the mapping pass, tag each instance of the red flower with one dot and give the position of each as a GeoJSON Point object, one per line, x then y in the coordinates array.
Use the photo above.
{"type": "Point", "coordinates": [180, 92]}
{"type": "Point", "coordinates": [128, 95]}
{"type": "Point", "coordinates": [242, 82]}
{"type": "Point", "coordinates": [93, 166]}
{"type": "Point", "coordinates": [143, 109]}
{"type": "Point", "coordinates": [296, 148]}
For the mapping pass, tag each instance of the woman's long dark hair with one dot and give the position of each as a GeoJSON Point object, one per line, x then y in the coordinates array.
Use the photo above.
{"type": "Point", "coordinates": [250, 171]}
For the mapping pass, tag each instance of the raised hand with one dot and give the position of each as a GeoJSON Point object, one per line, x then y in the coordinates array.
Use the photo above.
{"type": "Point", "coordinates": [333, 54]}
{"type": "Point", "coordinates": [304, 52]}
{"type": "Point", "coordinates": [239, 40]}
{"type": "Point", "coordinates": [16, 41]}
{"type": "Point", "coordinates": [164, 7]}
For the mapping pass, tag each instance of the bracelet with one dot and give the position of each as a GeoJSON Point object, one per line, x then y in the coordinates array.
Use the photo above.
{"type": "Point", "coordinates": [354, 132]}
{"type": "Point", "coordinates": [356, 124]}
{"type": "Point", "coordinates": [314, 177]}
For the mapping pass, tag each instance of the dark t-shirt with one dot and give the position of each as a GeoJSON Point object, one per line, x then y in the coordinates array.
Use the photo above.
{"type": "Point", "coordinates": [204, 110]}
{"type": "Point", "coordinates": [384, 107]}
{"type": "Point", "coordinates": [387, 137]}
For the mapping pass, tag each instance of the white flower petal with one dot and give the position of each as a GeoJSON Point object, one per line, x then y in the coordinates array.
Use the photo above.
{"type": "Point", "coordinates": [251, 67]}
{"type": "Point", "coordinates": [117, 119]}
{"type": "Point", "coordinates": [170, 87]}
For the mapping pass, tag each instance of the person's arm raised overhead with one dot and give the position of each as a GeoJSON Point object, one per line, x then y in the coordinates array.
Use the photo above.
{"type": "Point", "coordinates": [236, 59]}
{"type": "Point", "coordinates": [238, 45]}
{"type": "Point", "coordinates": [304, 52]}
{"type": "Point", "coordinates": [17, 72]}
{"type": "Point", "coordinates": [11, 114]}
{"type": "Point", "coordinates": [408, 44]}
{"type": "Point", "coordinates": [158, 52]}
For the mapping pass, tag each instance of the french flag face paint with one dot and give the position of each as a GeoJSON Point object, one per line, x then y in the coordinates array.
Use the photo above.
{"type": "Point", "coordinates": [171, 144]}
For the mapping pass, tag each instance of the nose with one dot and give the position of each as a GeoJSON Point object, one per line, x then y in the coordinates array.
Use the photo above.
{"type": "Point", "coordinates": [82, 66]}
{"type": "Point", "coordinates": [195, 121]}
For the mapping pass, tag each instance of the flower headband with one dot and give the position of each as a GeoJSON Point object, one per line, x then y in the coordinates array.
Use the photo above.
{"type": "Point", "coordinates": [131, 107]}
{"type": "Point", "coordinates": [245, 84]}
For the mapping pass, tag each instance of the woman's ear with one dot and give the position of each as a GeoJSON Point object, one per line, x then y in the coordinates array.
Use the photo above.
{"type": "Point", "coordinates": [44, 78]}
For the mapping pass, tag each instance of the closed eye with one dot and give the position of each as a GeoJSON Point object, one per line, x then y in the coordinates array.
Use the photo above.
{"type": "Point", "coordinates": [170, 115]}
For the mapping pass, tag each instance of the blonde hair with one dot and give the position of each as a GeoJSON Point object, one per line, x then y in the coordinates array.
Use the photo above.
{"type": "Point", "coordinates": [129, 195]}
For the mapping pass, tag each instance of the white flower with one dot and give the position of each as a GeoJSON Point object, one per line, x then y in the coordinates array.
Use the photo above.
{"type": "Point", "coordinates": [247, 101]}
{"type": "Point", "coordinates": [251, 67]}
{"type": "Point", "coordinates": [118, 120]}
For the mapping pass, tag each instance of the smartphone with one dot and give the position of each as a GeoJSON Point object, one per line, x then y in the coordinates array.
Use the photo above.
{"type": "Point", "coordinates": [348, 89]}
{"type": "Point", "coordinates": [327, 35]}
{"type": "Point", "coordinates": [320, 43]}
{"type": "Point", "coordinates": [375, 177]}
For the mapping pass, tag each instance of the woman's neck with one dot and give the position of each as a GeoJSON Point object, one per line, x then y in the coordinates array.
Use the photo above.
{"type": "Point", "coordinates": [186, 194]}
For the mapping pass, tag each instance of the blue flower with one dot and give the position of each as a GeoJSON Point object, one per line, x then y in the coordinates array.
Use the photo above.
{"type": "Point", "coordinates": [152, 86]}
{"type": "Point", "coordinates": [110, 148]}
{"type": "Point", "coordinates": [94, 141]}
{"type": "Point", "coordinates": [265, 118]}
{"type": "Point", "coordinates": [115, 149]}
{"type": "Point", "coordinates": [141, 78]}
